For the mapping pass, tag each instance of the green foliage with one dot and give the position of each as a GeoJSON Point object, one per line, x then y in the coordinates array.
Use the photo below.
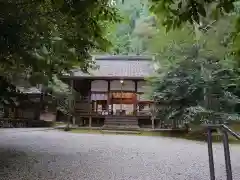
{"type": "Point", "coordinates": [196, 79]}
{"type": "Point", "coordinates": [49, 37]}
{"type": "Point", "coordinates": [185, 93]}
{"type": "Point", "coordinates": [58, 87]}
{"type": "Point", "coordinates": [131, 35]}
{"type": "Point", "coordinates": [171, 47]}
{"type": "Point", "coordinates": [176, 13]}
{"type": "Point", "coordinates": [44, 38]}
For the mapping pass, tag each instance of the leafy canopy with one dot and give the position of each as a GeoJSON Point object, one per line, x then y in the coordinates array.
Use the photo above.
{"type": "Point", "coordinates": [176, 13]}
{"type": "Point", "coordinates": [41, 39]}
{"type": "Point", "coordinates": [131, 35]}
{"type": "Point", "coordinates": [47, 37]}
{"type": "Point", "coordinates": [196, 80]}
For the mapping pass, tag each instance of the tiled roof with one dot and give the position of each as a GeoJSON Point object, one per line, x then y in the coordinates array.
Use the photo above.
{"type": "Point", "coordinates": [23, 86]}
{"type": "Point", "coordinates": [30, 90]}
{"type": "Point", "coordinates": [120, 66]}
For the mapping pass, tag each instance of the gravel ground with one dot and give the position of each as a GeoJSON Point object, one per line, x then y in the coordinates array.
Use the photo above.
{"type": "Point", "coordinates": [32, 155]}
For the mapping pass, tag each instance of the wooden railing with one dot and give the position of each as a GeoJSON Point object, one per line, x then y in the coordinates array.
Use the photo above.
{"type": "Point", "coordinates": [225, 132]}
{"type": "Point", "coordinates": [83, 106]}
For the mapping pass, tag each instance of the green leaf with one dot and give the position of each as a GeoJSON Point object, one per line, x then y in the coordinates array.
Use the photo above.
{"type": "Point", "coordinates": [57, 3]}
{"type": "Point", "coordinates": [44, 50]}
{"type": "Point", "coordinates": [201, 10]}
{"type": "Point", "coordinates": [180, 5]}
{"type": "Point", "coordinates": [56, 38]}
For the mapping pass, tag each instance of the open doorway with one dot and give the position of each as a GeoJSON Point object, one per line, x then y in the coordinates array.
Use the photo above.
{"type": "Point", "coordinates": [122, 103]}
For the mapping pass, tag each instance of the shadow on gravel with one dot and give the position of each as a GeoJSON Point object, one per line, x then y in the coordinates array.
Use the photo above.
{"type": "Point", "coordinates": [9, 155]}
{"type": "Point", "coordinates": [11, 160]}
{"type": "Point", "coordinates": [17, 163]}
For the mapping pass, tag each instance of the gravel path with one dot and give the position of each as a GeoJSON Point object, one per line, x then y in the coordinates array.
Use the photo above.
{"type": "Point", "coordinates": [47, 155]}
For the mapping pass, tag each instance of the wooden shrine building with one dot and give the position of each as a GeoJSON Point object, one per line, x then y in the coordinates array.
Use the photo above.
{"type": "Point", "coordinates": [114, 94]}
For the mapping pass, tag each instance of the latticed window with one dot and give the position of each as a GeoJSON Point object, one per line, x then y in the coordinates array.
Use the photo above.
{"type": "Point", "coordinates": [99, 96]}
{"type": "Point", "coordinates": [143, 107]}
{"type": "Point", "coordinates": [99, 102]}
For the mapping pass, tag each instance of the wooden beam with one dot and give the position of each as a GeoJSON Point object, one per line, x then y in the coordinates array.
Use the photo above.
{"type": "Point", "coordinates": [102, 78]}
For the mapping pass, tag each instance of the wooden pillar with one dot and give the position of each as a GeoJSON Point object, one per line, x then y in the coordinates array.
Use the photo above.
{"type": "Point", "coordinates": [90, 121]}
{"type": "Point", "coordinates": [94, 105]}
{"type": "Point", "coordinates": [70, 103]}
{"type": "Point", "coordinates": [90, 105]}
{"type": "Point", "coordinates": [152, 119]}
{"type": "Point", "coordinates": [135, 98]}
{"type": "Point", "coordinates": [39, 106]}
{"type": "Point", "coordinates": [109, 97]}
{"type": "Point", "coordinates": [16, 113]}
{"type": "Point", "coordinates": [73, 120]}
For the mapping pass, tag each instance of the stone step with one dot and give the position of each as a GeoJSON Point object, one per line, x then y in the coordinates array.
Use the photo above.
{"type": "Point", "coordinates": [120, 123]}
{"type": "Point", "coordinates": [121, 120]}
{"type": "Point", "coordinates": [122, 117]}
{"type": "Point", "coordinates": [121, 127]}
{"type": "Point", "coordinates": [120, 132]}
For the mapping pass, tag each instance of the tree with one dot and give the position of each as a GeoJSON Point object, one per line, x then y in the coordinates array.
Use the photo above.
{"type": "Point", "coordinates": [40, 39]}
{"type": "Point", "coordinates": [49, 37]}
{"type": "Point", "coordinates": [176, 13]}
{"type": "Point", "coordinates": [131, 35]}
{"type": "Point", "coordinates": [196, 79]}
{"type": "Point", "coordinates": [184, 94]}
